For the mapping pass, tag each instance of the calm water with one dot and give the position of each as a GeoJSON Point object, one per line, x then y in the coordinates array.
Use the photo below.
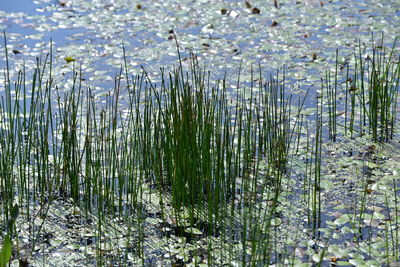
{"type": "Point", "coordinates": [302, 37]}
{"type": "Point", "coordinates": [223, 34]}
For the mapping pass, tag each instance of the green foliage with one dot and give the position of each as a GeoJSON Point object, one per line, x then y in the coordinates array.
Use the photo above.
{"type": "Point", "coordinates": [214, 160]}
{"type": "Point", "coordinates": [5, 253]}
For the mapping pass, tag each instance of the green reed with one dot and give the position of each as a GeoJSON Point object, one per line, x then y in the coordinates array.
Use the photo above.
{"type": "Point", "coordinates": [331, 92]}
{"type": "Point", "coordinates": [215, 157]}
{"type": "Point", "coordinates": [373, 85]}
{"type": "Point", "coordinates": [371, 91]}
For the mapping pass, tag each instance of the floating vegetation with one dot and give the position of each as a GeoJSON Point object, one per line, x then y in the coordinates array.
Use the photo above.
{"type": "Point", "coordinates": [93, 33]}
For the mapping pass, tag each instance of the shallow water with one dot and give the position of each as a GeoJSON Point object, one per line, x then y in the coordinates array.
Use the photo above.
{"type": "Point", "coordinates": [225, 34]}
{"type": "Point", "coordinates": [222, 34]}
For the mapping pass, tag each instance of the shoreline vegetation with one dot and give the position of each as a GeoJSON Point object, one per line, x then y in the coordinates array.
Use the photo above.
{"type": "Point", "coordinates": [189, 171]}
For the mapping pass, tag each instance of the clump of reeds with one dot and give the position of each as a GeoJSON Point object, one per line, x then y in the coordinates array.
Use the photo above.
{"type": "Point", "coordinates": [215, 156]}
{"type": "Point", "coordinates": [372, 88]}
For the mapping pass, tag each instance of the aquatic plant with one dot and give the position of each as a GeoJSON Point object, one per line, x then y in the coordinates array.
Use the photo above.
{"type": "Point", "coordinates": [225, 166]}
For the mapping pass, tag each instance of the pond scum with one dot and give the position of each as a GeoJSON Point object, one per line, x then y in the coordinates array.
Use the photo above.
{"type": "Point", "coordinates": [188, 171]}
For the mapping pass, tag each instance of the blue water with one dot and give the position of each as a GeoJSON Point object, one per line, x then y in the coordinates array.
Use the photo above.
{"type": "Point", "coordinates": [26, 6]}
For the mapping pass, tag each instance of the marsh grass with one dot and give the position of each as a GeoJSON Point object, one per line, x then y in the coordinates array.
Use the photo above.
{"type": "Point", "coordinates": [371, 87]}
{"type": "Point", "coordinates": [212, 161]}
{"type": "Point", "coordinates": [331, 92]}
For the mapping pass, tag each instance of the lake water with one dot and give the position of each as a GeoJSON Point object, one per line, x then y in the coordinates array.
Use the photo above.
{"type": "Point", "coordinates": [299, 36]}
